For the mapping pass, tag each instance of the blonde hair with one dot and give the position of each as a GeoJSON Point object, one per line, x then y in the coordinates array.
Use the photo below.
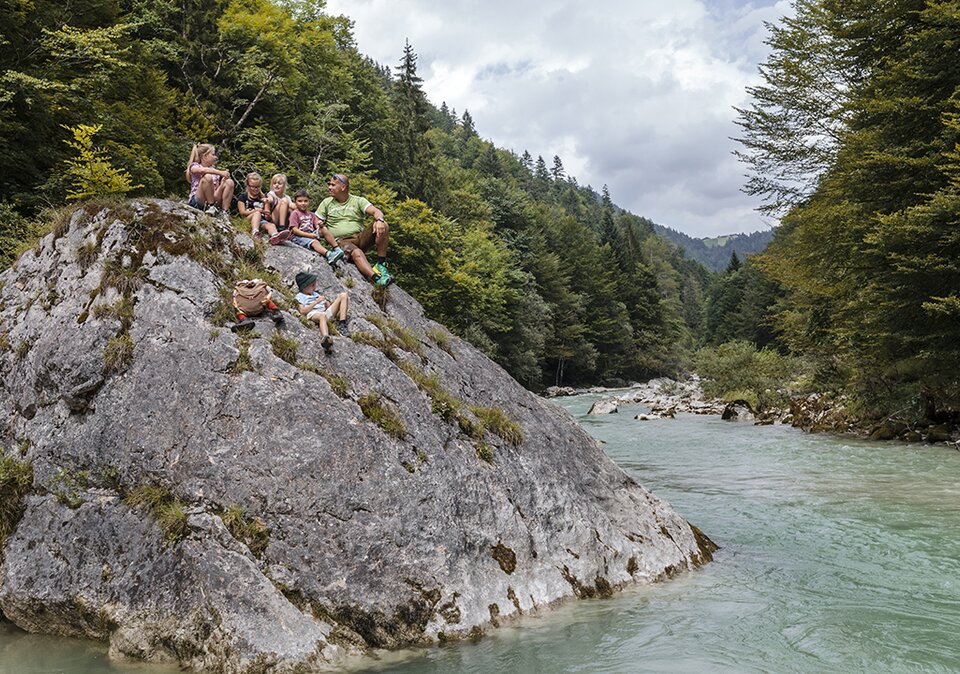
{"type": "Point", "coordinates": [285, 183]}
{"type": "Point", "coordinates": [197, 153]}
{"type": "Point", "coordinates": [254, 176]}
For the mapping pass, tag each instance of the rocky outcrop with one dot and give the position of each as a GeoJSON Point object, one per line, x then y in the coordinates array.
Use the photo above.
{"type": "Point", "coordinates": [605, 406]}
{"type": "Point", "coordinates": [738, 410]}
{"type": "Point", "coordinates": [247, 503]}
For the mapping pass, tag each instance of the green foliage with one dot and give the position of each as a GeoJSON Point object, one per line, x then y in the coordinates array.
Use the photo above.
{"type": "Point", "coordinates": [163, 507]}
{"type": "Point", "coordinates": [762, 377]}
{"type": "Point", "coordinates": [867, 253]}
{"type": "Point", "coordinates": [90, 172]}
{"type": "Point", "coordinates": [17, 234]}
{"type": "Point", "coordinates": [16, 480]}
{"type": "Point", "coordinates": [382, 415]}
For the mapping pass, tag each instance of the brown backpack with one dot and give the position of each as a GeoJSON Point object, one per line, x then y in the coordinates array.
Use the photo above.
{"type": "Point", "coordinates": [250, 296]}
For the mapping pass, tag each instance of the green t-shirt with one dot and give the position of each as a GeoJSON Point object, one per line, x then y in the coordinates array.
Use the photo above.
{"type": "Point", "coordinates": [344, 219]}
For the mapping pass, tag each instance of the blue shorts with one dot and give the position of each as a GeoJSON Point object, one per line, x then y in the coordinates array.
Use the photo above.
{"type": "Point", "coordinates": [196, 204]}
{"type": "Point", "coordinates": [304, 241]}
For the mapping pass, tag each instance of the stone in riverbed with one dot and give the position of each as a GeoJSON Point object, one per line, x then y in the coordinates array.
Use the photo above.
{"type": "Point", "coordinates": [605, 406]}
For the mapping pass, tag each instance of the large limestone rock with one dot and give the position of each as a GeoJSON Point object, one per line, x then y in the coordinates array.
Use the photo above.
{"type": "Point", "coordinates": [199, 498]}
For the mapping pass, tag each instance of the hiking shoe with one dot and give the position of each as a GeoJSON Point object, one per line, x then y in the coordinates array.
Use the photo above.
{"type": "Point", "coordinates": [280, 237]}
{"type": "Point", "coordinates": [343, 327]}
{"type": "Point", "coordinates": [244, 325]}
{"type": "Point", "coordinates": [327, 343]}
{"type": "Point", "coordinates": [212, 210]}
{"type": "Point", "coordinates": [276, 316]}
{"type": "Point", "coordinates": [381, 276]}
{"type": "Point", "coordinates": [334, 256]}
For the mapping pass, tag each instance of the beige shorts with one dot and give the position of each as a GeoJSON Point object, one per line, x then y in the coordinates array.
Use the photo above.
{"type": "Point", "coordinates": [328, 312]}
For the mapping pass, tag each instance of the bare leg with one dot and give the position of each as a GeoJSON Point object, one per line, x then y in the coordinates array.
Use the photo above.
{"type": "Point", "coordinates": [329, 238]}
{"type": "Point", "coordinates": [279, 214]}
{"type": "Point", "coordinates": [224, 193]}
{"type": "Point", "coordinates": [339, 306]}
{"type": "Point", "coordinates": [321, 320]}
{"type": "Point", "coordinates": [255, 223]}
{"type": "Point", "coordinates": [360, 259]}
{"type": "Point", "coordinates": [383, 241]}
{"type": "Point", "coordinates": [318, 247]}
{"type": "Point", "coordinates": [205, 191]}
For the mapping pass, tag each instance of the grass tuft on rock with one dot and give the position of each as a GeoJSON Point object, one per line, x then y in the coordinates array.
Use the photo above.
{"type": "Point", "coordinates": [497, 422]}
{"type": "Point", "coordinates": [484, 452]}
{"type": "Point", "coordinates": [121, 310]}
{"type": "Point", "coordinates": [118, 354]}
{"type": "Point", "coordinates": [441, 338]}
{"type": "Point", "coordinates": [68, 487]}
{"type": "Point", "coordinates": [244, 363]}
{"type": "Point", "coordinates": [163, 507]}
{"type": "Point", "coordinates": [251, 531]}
{"type": "Point", "coordinates": [87, 254]}
{"type": "Point", "coordinates": [443, 403]}
{"type": "Point", "coordinates": [396, 334]}
{"type": "Point", "coordinates": [382, 415]}
{"type": "Point", "coordinates": [284, 347]}
{"type": "Point", "coordinates": [16, 480]}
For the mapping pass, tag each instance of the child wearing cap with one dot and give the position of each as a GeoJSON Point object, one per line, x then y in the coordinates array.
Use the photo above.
{"type": "Point", "coordinates": [314, 306]}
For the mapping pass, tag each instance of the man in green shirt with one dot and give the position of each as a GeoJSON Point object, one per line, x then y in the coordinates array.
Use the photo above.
{"type": "Point", "coordinates": [344, 214]}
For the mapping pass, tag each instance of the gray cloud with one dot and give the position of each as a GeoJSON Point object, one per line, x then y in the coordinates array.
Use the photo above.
{"type": "Point", "coordinates": [637, 95]}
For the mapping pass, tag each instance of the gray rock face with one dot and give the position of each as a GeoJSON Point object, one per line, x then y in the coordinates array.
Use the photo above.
{"type": "Point", "coordinates": [605, 406]}
{"type": "Point", "coordinates": [368, 534]}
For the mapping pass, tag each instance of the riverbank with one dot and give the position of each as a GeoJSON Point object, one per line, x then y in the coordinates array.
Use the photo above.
{"type": "Point", "coordinates": [812, 412]}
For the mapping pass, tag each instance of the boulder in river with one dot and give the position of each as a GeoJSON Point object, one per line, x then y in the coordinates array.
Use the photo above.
{"type": "Point", "coordinates": [738, 410]}
{"type": "Point", "coordinates": [246, 503]}
{"type": "Point", "coordinates": [605, 406]}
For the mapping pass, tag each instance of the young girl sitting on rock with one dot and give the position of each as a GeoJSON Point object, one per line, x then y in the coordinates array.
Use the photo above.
{"type": "Point", "coordinates": [308, 229]}
{"type": "Point", "coordinates": [280, 202]}
{"type": "Point", "coordinates": [254, 205]}
{"type": "Point", "coordinates": [314, 306]}
{"type": "Point", "coordinates": [210, 188]}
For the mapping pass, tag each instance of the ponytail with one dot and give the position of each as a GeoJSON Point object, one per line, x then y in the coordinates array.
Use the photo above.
{"type": "Point", "coordinates": [194, 156]}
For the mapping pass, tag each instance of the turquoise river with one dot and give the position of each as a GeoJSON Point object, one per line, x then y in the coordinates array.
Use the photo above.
{"type": "Point", "coordinates": [837, 555]}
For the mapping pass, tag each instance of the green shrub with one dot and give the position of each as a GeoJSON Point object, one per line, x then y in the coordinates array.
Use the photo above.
{"type": "Point", "coordinates": [739, 366]}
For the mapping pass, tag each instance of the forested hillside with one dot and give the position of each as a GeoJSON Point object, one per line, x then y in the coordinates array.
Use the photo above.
{"type": "Point", "coordinates": [715, 253]}
{"type": "Point", "coordinates": [853, 138]}
{"type": "Point", "coordinates": [106, 97]}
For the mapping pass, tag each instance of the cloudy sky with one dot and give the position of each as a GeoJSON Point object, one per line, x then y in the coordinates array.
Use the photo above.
{"type": "Point", "coordinates": [638, 95]}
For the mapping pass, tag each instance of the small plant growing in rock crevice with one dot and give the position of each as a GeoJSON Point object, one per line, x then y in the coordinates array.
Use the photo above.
{"type": "Point", "coordinates": [441, 338]}
{"type": "Point", "coordinates": [484, 452]}
{"type": "Point", "coordinates": [67, 486]}
{"type": "Point", "coordinates": [121, 310]}
{"type": "Point", "coordinates": [163, 507]}
{"type": "Point", "coordinates": [23, 348]}
{"type": "Point", "coordinates": [339, 384]}
{"type": "Point", "coordinates": [378, 412]}
{"type": "Point", "coordinates": [396, 334]}
{"type": "Point", "coordinates": [16, 480]}
{"type": "Point", "coordinates": [118, 354]}
{"type": "Point", "coordinates": [443, 403]}
{"type": "Point", "coordinates": [244, 363]}
{"type": "Point", "coordinates": [497, 422]}
{"type": "Point", "coordinates": [87, 254]}
{"type": "Point", "coordinates": [284, 348]}
{"type": "Point", "coordinates": [251, 531]}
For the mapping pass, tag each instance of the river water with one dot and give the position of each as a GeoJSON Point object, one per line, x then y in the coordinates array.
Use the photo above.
{"type": "Point", "coordinates": [837, 555]}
